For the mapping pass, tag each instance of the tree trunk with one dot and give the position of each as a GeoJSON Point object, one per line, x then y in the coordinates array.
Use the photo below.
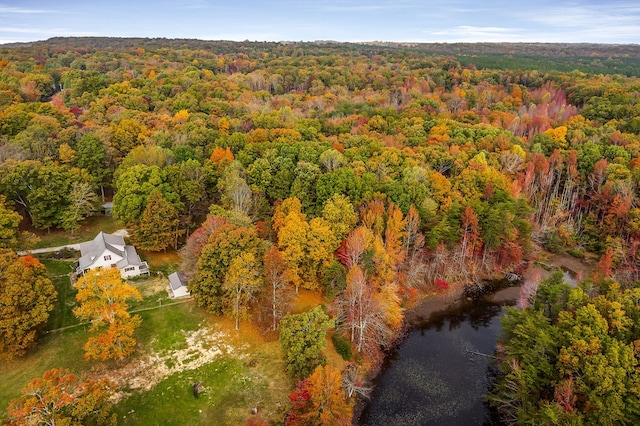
{"type": "Point", "coordinates": [237, 310]}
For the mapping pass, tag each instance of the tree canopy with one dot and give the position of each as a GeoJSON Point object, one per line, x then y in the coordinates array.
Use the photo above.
{"type": "Point", "coordinates": [27, 296]}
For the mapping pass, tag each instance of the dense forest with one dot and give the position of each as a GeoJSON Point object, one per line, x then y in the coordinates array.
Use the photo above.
{"type": "Point", "coordinates": [370, 174]}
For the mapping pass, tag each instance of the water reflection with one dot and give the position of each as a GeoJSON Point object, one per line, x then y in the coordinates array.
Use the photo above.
{"type": "Point", "coordinates": [438, 375]}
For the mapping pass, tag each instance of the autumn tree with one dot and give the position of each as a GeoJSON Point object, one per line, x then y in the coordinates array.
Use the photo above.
{"type": "Point", "coordinates": [27, 296]}
{"type": "Point", "coordinates": [306, 246]}
{"type": "Point", "coordinates": [103, 297]}
{"type": "Point", "coordinates": [277, 295]}
{"type": "Point", "coordinates": [362, 315]}
{"type": "Point", "coordinates": [320, 400]}
{"type": "Point", "coordinates": [190, 252]}
{"type": "Point", "coordinates": [225, 243]}
{"type": "Point", "coordinates": [302, 337]}
{"type": "Point", "coordinates": [59, 398]}
{"type": "Point", "coordinates": [292, 239]}
{"type": "Point", "coordinates": [340, 215]}
{"type": "Point", "coordinates": [9, 222]}
{"type": "Point", "coordinates": [221, 157]}
{"type": "Point", "coordinates": [241, 282]}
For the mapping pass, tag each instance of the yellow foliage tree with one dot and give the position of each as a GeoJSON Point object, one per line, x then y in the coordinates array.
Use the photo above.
{"type": "Point", "coordinates": [559, 135]}
{"type": "Point", "coordinates": [66, 153]}
{"type": "Point", "coordinates": [103, 299]}
{"type": "Point", "coordinates": [181, 117]}
{"type": "Point", "coordinates": [306, 246]}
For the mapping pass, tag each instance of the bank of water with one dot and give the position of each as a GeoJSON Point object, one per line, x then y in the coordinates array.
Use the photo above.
{"type": "Point", "coordinates": [441, 371]}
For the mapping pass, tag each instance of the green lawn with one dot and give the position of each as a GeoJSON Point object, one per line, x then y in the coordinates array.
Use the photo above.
{"type": "Point", "coordinates": [162, 329]}
{"type": "Point", "coordinates": [88, 231]}
{"type": "Point", "coordinates": [62, 314]}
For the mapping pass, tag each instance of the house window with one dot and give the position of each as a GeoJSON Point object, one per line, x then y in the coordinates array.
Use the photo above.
{"type": "Point", "coordinates": [130, 268]}
{"type": "Point", "coordinates": [107, 257]}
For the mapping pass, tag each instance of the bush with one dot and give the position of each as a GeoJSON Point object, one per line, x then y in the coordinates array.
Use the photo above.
{"type": "Point", "coordinates": [342, 346]}
{"type": "Point", "coordinates": [576, 253]}
{"type": "Point", "coordinates": [554, 243]}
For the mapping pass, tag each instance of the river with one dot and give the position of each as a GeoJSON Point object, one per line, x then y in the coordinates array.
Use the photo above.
{"type": "Point", "coordinates": [439, 374]}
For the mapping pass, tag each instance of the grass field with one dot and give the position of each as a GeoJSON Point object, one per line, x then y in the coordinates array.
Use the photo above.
{"type": "Point", "coordinates": [62, 314]}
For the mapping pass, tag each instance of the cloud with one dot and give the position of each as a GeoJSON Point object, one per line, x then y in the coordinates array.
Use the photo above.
{"type": "Point", "coordinates": [589, 23]}
{"type": "Point", "coordinates": [470, 33]}
{"type": "Point", "coordinates": [50, 32]}
{"type": "Point", "coordinates": [23, 11]}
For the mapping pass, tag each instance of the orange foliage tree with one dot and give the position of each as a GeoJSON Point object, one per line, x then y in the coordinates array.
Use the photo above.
{"type": "Point", "coordinates": [320, 400]}
{"type": "Point", "coordinates": [58, 398]}
{"type": "Point", "coordinates": [103, 299]}
{"type": "Point", "coordinates": [221, 157]}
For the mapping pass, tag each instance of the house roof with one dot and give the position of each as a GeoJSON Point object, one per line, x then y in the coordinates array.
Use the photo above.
{"type": "Point", "coordinates": [130, 258]}
{"type": "Point", "coordinates": [92, 249]}
{"type": "Point", "coordinates": [176, 280]}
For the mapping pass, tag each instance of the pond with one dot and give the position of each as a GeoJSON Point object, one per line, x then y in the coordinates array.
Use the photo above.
{"type": "Point", "coordinates": [440, 373]}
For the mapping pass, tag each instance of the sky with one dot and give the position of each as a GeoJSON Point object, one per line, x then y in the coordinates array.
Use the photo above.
{"type": "Point", "coordinates": [603, 21]}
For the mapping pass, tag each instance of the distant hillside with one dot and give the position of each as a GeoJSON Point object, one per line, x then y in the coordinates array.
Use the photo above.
{"type": "Point", "coordinates": [537, 49]}
{"type": "Point", "coordinates": [590, 58]}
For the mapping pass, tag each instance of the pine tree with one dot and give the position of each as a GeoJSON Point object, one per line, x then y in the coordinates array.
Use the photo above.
{"type": "Point", "coordinates": [157, 229]}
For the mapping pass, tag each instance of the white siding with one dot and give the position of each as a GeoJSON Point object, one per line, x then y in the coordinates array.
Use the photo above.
{"type": "Point", "coordinates": [133, 271]}
{"type": "Point", "coordinates": [100, 261]}
{"type": "Point", "coordinates": [180, 292]}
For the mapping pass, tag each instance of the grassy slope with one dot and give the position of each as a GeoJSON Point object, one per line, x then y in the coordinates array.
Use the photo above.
{"type": "Point", "coordinates": [234, 382]}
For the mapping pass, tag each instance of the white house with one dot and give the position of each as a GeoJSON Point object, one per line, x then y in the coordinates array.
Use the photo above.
{"type": "Point", "coordinates": [107, 250]}
{"type": "Point", "coordinates": [177, 286]}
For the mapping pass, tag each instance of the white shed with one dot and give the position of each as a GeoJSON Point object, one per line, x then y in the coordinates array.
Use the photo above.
{"type": "Point", "coordinates": [177, 286]}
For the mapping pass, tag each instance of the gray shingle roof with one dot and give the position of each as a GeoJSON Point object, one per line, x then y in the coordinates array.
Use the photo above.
{"type": "Point", "coordinates": [130, 257]}
{"type": "Point", "coordinates": [176, 281]}
{"type": "Point", "coordinates": [91, 249]}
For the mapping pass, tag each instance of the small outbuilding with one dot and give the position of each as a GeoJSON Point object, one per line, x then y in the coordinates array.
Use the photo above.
{"type": "Point", "coordinates": [178, 286]}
